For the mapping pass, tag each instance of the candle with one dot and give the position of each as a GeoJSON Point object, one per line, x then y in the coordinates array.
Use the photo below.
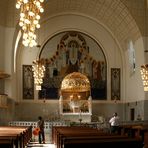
{"type": "Point", "coordinates": [80, 116]}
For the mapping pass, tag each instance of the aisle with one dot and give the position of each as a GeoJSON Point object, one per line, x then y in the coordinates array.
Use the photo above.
{"type": "Point", "coordinates": [36, 144]}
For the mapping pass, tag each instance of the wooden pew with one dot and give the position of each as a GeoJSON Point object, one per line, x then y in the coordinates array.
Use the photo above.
{"type": "Point", "coordinates": [78, 136]}
{"type": "Point", "coordinates": [16, 137]}
{"type": "Point", "coordinates": [59, 132]}
{"type": "Point", "coordinates": [105, 141]}
{"type": "Point", "coordinates": [10, 140]}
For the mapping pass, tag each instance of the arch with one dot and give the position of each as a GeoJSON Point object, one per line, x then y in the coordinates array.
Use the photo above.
{"type": "Point", "coordinates": [52, 30]}
{"type": "Point", "coordinates": [87, 58]}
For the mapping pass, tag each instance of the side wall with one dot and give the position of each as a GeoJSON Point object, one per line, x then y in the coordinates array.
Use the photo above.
{"type": "Point", "coordinates": [131, 86]}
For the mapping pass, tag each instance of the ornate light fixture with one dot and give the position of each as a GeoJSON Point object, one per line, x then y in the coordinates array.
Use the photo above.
{"type": "Point", "coordinates": [144, 75]}
{"type": "Point", "coordinates": [144, 67]}
{"type": "Point", "coordinates": [29, 19]}
{"type": "Point", "coordinates": [38, 73]}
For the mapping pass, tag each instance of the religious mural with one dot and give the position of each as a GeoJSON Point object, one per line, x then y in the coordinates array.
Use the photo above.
{"type": "Point", "coordinates": [73, 53]}
{"type": "Point", "coordinates": [28, 82]}
{"type": "Point", "coordinates": [115, 84]}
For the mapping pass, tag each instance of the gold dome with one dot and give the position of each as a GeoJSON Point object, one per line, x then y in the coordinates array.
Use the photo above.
{"type": "Point", "coordinates": [75, 82]}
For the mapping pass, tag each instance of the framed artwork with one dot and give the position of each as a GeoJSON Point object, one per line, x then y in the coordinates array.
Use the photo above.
{"type": "Point", "coordinates": [28, 82]}
{"type": "Point", "coordinates": [115, 83]}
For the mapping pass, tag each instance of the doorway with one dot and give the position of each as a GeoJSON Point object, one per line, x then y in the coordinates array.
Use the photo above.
{"type": "Point", "coordinates": [132, 114]}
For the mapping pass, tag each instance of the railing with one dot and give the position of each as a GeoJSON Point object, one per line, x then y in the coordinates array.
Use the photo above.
{"type": "Point", "coordinates": [48, 125]}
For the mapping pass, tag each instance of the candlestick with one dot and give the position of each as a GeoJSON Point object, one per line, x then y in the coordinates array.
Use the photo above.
{"type": "Point", "coordinates": [80, 115]}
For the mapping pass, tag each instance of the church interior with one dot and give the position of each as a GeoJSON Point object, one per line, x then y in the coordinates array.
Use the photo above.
{"type": "Point", "coordinates": [74, 63]}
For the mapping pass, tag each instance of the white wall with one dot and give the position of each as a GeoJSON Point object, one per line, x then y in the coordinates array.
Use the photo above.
{"type": "Point", "coordinates": [134, 86]}
{"type": "Point", "coordinates": [83, 24]}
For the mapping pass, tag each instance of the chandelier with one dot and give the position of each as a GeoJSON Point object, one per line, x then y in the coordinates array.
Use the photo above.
{"type": "Point", "coordinates": [29, 19]}
{"type": "Point", "coordinates": [144, 75]}
{"type": "Point", "coordinates": [38, 73]}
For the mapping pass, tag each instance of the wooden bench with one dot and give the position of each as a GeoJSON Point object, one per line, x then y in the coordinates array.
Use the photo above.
{"type": "Point", "coordinates": [85, 136]}
{"type": "Point", "coordinates": [59, 132]}
{"type": "Point", "coordinates": [116, 142]}
{"type": "Point", "coordinates": [16, 137]}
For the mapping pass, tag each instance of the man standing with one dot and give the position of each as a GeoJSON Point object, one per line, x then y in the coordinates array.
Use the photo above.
{"type": "Point", "coordinates": [114, 123]}
{"type": "Point", "coordinates": [40, 124]}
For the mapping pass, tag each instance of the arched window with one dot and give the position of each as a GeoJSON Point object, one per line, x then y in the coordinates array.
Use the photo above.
{"type": "Point", "coordinates": [131, 55]}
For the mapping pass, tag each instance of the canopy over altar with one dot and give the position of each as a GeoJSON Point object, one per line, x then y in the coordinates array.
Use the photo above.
{"type": "Point", "coordinates": [75, 98]}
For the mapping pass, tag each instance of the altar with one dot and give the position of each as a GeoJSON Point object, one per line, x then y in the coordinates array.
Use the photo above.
{"type": "Point", "coordinates": [83, 118]}
{"type": "Point", "coordinates": [75, 102]}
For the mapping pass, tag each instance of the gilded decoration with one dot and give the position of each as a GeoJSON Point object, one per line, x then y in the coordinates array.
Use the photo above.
{"type": "Point", "coordinates": [75, 94]}
{"type": "Point", "coordinates": [75, 82]}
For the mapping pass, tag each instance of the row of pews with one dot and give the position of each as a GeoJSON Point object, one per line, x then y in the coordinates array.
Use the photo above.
{"type": "Point", "coordinates": [15, 136]}
{"type": "Point", "coordinates": [139, 130]}
{"type": "Point", "coordinates": [70, 137]}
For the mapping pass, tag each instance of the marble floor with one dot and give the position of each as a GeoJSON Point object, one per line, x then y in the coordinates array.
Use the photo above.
{"type": "Point", "coordinates": [37, 145]}
{"type": "Point", "coordinates": [34, 143]}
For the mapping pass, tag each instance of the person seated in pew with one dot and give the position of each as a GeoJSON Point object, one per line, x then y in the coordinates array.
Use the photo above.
{"type": "Point", "coordinates": [114, 123]}
{"type": "Point", "coordinates": [40, 125]}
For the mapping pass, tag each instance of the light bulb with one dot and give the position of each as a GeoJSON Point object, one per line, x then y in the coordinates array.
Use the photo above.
{"type": "Point", "coordinates": [37, 17]}
{"type": "Point", "coordinates": [35, 22]}
{"type": "Point", "coordinates": [25, 1]}
{"type": "Point", "coordinates": [41, 10]}
{"type": "Point", "coordinates": [31, 13]}
{"type": "Point", "coordinates": [18, 6]}
{"type": "Point", "coordinates": [21, 24]}
{"type": "Point", "coordinates": [38, 26]}
{"type": "Point", "coordinates": [22, 15]}
{"type": "Point", "coordinates": [38, 4]}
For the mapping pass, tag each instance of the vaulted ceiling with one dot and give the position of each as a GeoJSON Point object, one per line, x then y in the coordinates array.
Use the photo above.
{"type": "Point", "coordinates": [125, 18]}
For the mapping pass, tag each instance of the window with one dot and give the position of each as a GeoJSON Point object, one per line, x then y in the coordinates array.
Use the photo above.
{"type": "Point", "coordinates": [131, 54]}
